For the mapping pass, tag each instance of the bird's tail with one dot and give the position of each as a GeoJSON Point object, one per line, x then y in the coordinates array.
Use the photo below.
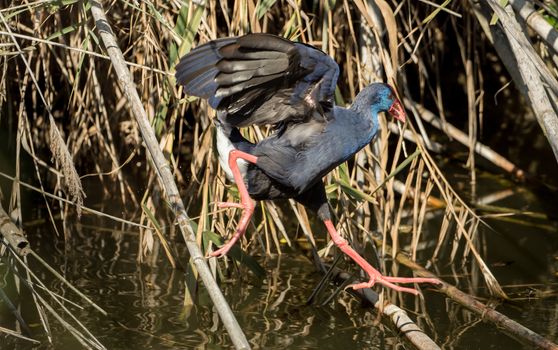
{"type": "Point", "coordinates": [232, 134]}
{"type": "Point", "coordinates": [228, 139]}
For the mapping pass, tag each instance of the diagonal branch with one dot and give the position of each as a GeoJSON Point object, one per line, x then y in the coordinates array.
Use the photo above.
{"type": "Point", "coordinates": [536, 21]}
{"type": "Point", "coordinates": [530, 74]}
{"type": "Point", "coordinates": [165, 176]}
{"type": "Point", "coordinates": [487, 314]}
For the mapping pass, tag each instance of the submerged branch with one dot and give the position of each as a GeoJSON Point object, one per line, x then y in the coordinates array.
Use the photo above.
{"type": "Point", "coordinates": [166, 177]}
{"type": "Point", "coordinates": [487, 314]}
{"type": "Point", "coordinates": [405, 326]}
{"type": "Point", "coordinates": [13, 235]}
{"type": "Point", "coordinates": [18, 335]}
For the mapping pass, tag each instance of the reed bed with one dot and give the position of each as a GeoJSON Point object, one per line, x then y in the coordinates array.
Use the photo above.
{"type": "Point", "coordinates": [61, 99]}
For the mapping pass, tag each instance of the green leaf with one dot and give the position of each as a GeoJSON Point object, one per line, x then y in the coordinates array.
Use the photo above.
{"type": "Point", "coordinates": [159, 121]}
{"type": "Point", "coordinates": [263, 7]}
{"type": "Point", "coordinates": [8, 15]}
{"type": "Point", "coordinates": [187, 29]}
{"type": "Point", "coordinates": [435, 12]}
{"type": "Point", "coordinates": [94, 37]}
{"type": "Point", "coordinates": [339, 97]}
{"type": "Point", "coordinates": [173, 53]}
{"type": "Point", "coordinates": [397, 170]}
{"type": "Point", "coordinates": [84, 46]}
{"type": "Point", "coordinates": [355, 193]}
{"type": "Point", "coordinates": [55, 6]}
{"type": "Point", "coordinates": [64, 30]}
{"type": "Point", "coordinates": [361, 196]}
{"type": "Point", "coordinates": [344, 173]}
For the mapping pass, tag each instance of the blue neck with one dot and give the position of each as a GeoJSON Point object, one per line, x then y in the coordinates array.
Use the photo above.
{"type": "Point", "coordinates": [367, 112]}
{"type": "Point", "coordinates": [368, 127]}
{"type": "Point", "coordinates": [374, 110]}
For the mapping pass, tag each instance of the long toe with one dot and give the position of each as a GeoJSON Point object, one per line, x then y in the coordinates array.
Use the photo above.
{"type": "Point", "coordinates": [388, 282]}
{"type": "Point", "coordinates": [395, 287]}
{"type": "Point", "coordinates": [399, 288]}
{"type": "Point", "coordinates": [412, 280]}
{"type": "Point", "coordinates": [362, 285]}
{"type": "Point", "coordinates": [220, 252]}
{"type": "Point", "coordinates": [231, 205]}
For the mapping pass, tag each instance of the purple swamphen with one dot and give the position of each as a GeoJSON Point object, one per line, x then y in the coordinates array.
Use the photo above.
{"type": "Point", "coordinates": [263, 79]}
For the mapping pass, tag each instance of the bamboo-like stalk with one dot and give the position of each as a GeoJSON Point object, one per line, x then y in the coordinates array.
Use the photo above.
{"type": "Point", "coordinates": [536, 22]}
{"type": "Point", "coordinates": [165, 176]}
{"type": "Point", "coordinates": [405, 326]}
{"type": "Point", "coordinates": [533, 73]}
{"type": "Point", "coordinates": [488, 314]}
{"type": "Point", "coordinates": [67, 201]}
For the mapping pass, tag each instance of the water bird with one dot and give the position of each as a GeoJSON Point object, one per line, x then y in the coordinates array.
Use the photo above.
{"type": "Point", "coordinates": [263, 79]}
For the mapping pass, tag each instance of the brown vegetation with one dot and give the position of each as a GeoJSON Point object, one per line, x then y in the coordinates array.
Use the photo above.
{"type": "Point", "coordinates": [61, 97]}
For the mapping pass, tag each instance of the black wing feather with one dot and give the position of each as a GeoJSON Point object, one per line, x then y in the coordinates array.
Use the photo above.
{"type": "Point", "coordinates": [260, 79]}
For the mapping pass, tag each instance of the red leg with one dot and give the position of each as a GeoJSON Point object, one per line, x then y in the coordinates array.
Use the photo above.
{"type": "Point", "coordinates": [375, 275]}
{"type": "Point", "coordinates": [246, 202]}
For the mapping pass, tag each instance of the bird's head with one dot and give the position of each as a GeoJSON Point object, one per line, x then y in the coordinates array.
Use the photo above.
{"type": "Point", "coordinates": [384, 99]}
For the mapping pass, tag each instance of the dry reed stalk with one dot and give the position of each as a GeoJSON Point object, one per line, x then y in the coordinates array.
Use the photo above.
{"type": "Point", "coordinates": [57, 145]}
{"type": "Point", "coordinates": [463, 138]}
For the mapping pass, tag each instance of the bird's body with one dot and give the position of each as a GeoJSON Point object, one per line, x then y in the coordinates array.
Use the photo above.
{"type": "Point", "coordinates": [300, 156]}
{"type": "Point", "coordinates": [261, 79]}
{"type": "Point", "coordinates": [311, 150]}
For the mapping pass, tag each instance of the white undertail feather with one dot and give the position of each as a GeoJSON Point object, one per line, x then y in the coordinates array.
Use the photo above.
{"type": "Point", "coordinates": [224, 147]}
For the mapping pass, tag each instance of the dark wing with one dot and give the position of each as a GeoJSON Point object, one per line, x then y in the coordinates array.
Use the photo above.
{"type": "Point", "coordinates": [260, 79]}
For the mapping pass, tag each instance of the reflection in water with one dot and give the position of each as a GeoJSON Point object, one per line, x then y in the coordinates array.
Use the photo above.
{"type": "Point", "coordinates": [146, 301]}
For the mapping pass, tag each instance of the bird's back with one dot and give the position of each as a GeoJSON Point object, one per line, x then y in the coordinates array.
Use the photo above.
{"type": "Point", "coordinates": [298, 162]}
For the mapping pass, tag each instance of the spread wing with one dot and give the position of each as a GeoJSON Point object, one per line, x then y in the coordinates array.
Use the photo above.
{"type": "Point", "coordinates": [261, 79]}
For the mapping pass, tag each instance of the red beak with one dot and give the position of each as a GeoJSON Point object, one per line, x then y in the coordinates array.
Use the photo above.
{"type": "Point", "coordinates": [397, 111]}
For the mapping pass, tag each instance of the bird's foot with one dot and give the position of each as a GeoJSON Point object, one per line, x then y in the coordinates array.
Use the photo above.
{"type": "Point", "coordinates": [248, 209]}
{"type": "Point", "coordinates": [375, 275]}
{"type": "Point", "coordinates": [387, 281]}
{"type": "Point", "coordinates": [222, 251]}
